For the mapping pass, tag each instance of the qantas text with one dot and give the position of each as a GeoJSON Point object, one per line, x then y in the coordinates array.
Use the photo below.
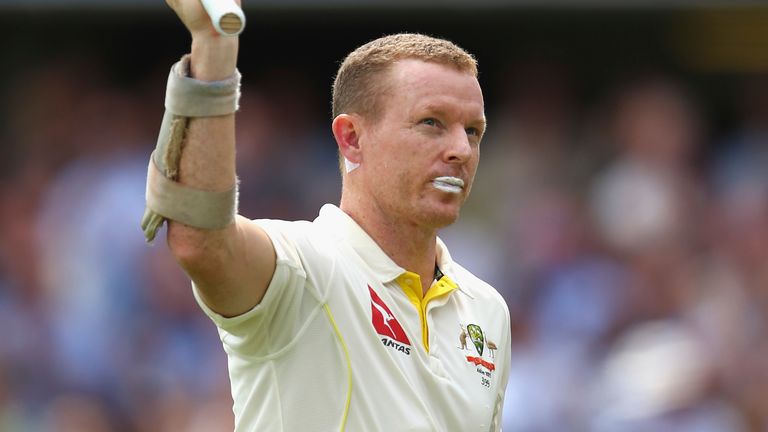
{"type": "Point", "coordinates": [392, 344]}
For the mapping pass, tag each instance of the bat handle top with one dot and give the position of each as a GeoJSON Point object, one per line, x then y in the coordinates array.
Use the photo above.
{"type": "Point", "coordinates": [231, 24]}
{"type": "Point", "coordinates": [227, 17]}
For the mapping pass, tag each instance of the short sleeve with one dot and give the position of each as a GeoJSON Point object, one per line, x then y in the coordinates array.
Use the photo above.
{"type": "Point", "coordinates": [272, 324]}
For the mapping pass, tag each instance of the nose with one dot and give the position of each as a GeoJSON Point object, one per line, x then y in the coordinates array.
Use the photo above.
{"type": "Point", "coordinates": [459, 149]}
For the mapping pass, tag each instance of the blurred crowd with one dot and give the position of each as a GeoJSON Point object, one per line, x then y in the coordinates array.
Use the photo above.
{"type": "Point", "coordinates": [629, 239]}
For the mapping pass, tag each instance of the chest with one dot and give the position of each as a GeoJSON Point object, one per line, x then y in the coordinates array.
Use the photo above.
{"type": "Point", "coordinates": [453, 383]}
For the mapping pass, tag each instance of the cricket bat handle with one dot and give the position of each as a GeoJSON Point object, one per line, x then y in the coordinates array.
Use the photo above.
{"type": "Point", "coordinates": [227, 17]}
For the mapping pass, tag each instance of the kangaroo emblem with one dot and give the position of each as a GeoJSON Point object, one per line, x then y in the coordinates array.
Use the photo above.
{"type": "Point", "coordinates": [491, 347]}
{"type": "Point", "coordinates": [387, 316]}
{"type": "Point", "coordinates": [463, 337]}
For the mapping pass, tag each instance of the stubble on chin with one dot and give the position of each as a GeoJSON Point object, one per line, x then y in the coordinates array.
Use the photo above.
{"type": "Point", "coordinates": [437, 216]}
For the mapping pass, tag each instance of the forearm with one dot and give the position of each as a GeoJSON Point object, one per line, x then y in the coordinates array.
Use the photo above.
{"type": "Point", "coordinates": [208, 159]}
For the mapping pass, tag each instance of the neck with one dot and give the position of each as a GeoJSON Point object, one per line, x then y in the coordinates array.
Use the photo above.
{"type": "Point", "coordinates": [410, 246]}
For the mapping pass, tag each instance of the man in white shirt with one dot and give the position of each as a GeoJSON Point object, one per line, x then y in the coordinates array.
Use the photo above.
{"type": "Point", "coordinates": [358, 320]}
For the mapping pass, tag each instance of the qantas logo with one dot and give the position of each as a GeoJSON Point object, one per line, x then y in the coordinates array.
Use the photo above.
{"type": "Point", "coordinates": [387, 325]}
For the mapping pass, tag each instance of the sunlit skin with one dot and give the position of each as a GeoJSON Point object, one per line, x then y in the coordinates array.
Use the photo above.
{"type": "Point", "coordinates": [430, 126]}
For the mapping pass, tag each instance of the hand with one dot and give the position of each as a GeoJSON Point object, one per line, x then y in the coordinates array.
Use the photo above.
{"type": "Point", "coordinates": [194, 17]}
{"type": "Point", "coordinates": [214, 57]}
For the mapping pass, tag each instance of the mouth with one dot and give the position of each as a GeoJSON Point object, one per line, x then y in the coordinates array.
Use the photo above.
{"type": "Point", "coordinates": [448, 184]}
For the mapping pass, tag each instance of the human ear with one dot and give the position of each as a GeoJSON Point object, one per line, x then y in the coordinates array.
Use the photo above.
{"type": "Point", "coordinates": [346, 129]}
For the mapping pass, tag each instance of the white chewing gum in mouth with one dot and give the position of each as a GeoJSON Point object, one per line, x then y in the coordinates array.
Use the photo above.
{"type": "Point", "coordinates": [449, 184]}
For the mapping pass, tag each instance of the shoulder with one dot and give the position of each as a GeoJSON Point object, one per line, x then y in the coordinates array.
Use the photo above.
{"type": "Point", "coordinates": [299, 231]}
{"type": "Point", "coordinates": [478, 289]}
{"type": "Point", "coordinates": [302, 234]}
{"type": "Point", "coordinates": [302, 244]}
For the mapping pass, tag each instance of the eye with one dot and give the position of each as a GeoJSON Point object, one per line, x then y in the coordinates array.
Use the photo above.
{"type": "Point", "coordinates": [472, 131]}
{"type": "Point", "coordinates": [430, 122]}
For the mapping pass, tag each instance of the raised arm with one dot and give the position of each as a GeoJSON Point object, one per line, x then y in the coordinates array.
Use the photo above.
{"type": "Point", "coordinates": [231, 266]}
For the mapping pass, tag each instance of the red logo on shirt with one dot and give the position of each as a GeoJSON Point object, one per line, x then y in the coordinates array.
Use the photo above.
{"type": "Point", "coordinates": [480, 362]}
{"type": "Point", "coordinates": [384, 322]}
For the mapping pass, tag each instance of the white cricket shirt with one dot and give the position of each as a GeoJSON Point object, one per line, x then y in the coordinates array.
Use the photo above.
{"type": "Point", "coordinates": [438, 363]}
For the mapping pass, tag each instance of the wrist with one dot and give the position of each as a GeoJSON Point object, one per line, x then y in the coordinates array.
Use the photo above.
{"type": "Point", "coordinates": [213, 57]}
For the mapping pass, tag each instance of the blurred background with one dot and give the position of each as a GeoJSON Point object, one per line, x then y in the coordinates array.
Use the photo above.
{"type": "Point", "coordinates": [621, 205]}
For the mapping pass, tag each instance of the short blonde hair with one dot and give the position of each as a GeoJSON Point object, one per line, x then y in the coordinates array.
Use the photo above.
{"type": "Point", "coordinates": [358, 85]}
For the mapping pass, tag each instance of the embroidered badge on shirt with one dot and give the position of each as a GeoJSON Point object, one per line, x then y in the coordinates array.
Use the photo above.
{"type": "Point", "coordinates": [484, 364]}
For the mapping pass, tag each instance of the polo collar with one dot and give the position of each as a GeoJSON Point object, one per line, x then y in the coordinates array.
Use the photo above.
{"type": "Point", "coordinates": [333, 220]}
